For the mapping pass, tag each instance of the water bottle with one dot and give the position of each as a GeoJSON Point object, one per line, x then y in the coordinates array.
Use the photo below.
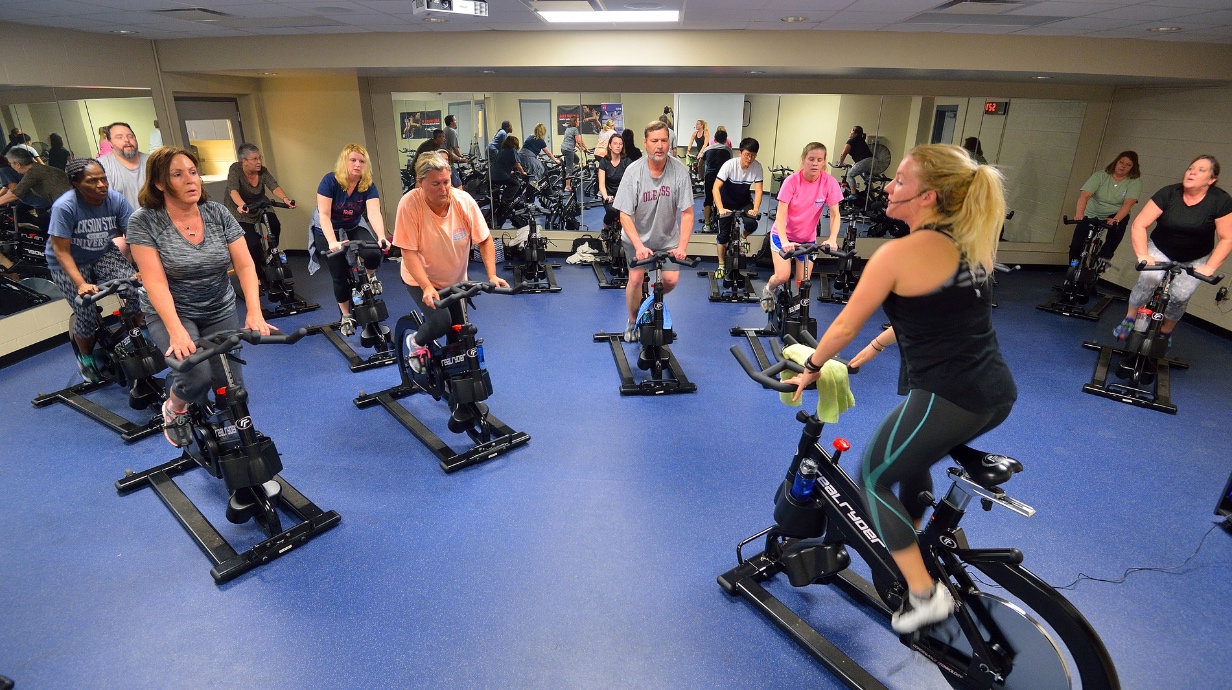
{"type": "Point", "coordinates": [357, 297]}
{"type": "Point", "coordinates": [479, 354]}
{"type": "Point", "coordinates": [1142, 320]}
{"type": "Point", "coordinates": [806, 479]}
{"type": "Point", "coordinates": [1072, 264]}
{"type": "Point", "coordinates": [282, 256]}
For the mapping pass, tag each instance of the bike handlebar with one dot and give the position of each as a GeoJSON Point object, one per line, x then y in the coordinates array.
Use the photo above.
{"type": "Point", "coordinates": [1066, 220]}
{"type": "Point", "coordinates": [768, 377]}
{"type": "Point", "coordinates": [1177, 267]}
{"type": "Point", "coordinates": [730, 212]}
{"type": "Point", "coordinates": [358, 244]}
{"type": "Point", "coordinates": [840, 165]}
{"type": "Point", "coordinates": [222, 342]}
{"type": "Point", "coordinates": [830, 251]}
{"type": "Point", "coordinates": [263, 204]}
{"type": "Point", "coordinates": [469, 288]}
{"type": "Point", "coordinates": [658, 258]}
{"type": "Point", "coordinates": [108, 288]}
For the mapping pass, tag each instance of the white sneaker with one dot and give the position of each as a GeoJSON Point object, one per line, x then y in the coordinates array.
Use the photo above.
{"type": "Point", "coordinates": [917, 612]}
{"type": "Point", "coordinates": [631, 333]}
{"type": "Point", "coordinates": [767, 299]}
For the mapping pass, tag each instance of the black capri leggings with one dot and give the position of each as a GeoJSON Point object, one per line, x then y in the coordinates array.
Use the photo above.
{"type": "Point", "coordinates": [914, 437]}
{"type": "Point", "coordinates": [1112, 240]}
{"type": "Point", "coordinates": [339, 269]}
{"type": "Point", "coordinates": [253, 240]}
{"type": "Point", "coordinates": [436, 322]}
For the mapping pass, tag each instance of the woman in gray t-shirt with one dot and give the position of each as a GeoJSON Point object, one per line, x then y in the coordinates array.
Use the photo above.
{"type": "Point", "coordinates": [183, 246]}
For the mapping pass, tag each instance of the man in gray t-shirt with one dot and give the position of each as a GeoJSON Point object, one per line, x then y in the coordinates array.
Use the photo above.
{"type": "Point", "coordinates": [451, 139]}
{"type": "Point", "coordinates": [125, 165]}
{"type": "Point", "coordinates": [655, 200]}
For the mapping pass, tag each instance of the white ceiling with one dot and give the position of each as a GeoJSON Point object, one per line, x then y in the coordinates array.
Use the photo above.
{"type": "Point", "coordinates": [1201, 21]}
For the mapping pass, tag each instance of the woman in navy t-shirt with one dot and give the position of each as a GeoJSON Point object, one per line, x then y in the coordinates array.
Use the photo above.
{"type": "Point", "coordinates": [1193, 225]}
{"type": "Point", "coordinates": [342, 198]}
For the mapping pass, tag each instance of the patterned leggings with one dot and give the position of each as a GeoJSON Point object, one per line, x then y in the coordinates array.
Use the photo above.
{"type": "Point", "coordinates": [109, 266]}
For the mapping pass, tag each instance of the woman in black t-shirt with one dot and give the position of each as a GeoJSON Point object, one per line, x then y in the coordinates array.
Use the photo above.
{"type": "Point", "coordinates": [1193, 225]}
{"type": "Point", "coordinates": [611, 170]}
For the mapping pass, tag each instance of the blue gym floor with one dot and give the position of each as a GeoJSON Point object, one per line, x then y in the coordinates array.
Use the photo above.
{"type": "Point", "coordinates": [588, 558]}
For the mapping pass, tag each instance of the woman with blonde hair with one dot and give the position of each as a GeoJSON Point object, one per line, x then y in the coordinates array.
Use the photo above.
{"type": "Point", "coordinates": [343, 196]}
{"type": "Point", "coordinates": [700, 140]}
{"type": "Point", "coordinates": [605, 134]}
{"type": "Point", "coordinates": [104, 146]}
{"type": "Point", "coordinates": [934, 286]}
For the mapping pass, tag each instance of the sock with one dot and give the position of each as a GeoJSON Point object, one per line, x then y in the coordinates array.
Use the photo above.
{"type": "Point", "coordinates": [926, 595]}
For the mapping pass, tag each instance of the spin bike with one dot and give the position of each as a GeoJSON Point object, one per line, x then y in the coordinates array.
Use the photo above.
{"type": "Point", "coordinates": [455, 373]}
{"type": "Point", "coordinates": [837, 287]}
{"type": "Point", "coordinates": [654, 328]}
{"type": "Point", "coordinates": [789, 319]}
{"type": "Point", "coordinates": [736, 283]}
{"type": "Point", "coordinates": [369, 311]}
{"type": "Point", "coordinates": [1081, 278]}
{"type": "Point", "coordinates": [228, 446]}
{"type": "Point", "coordinates": [123, 355]}
{"type": "Point", "coordinates": [616, 275]}
{"type": "Point", "coordinates": [534, 273]}
{"type": "Point", "coordinates": [990, 641]}
{"type": "Point", "coordinates": [1142, 364]}
{"type": "Point", "coordinates": [275, 274]}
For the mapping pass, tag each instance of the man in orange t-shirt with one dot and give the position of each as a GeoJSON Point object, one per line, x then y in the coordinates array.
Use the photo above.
{"type": "Point", "coordinates": [435, 227]}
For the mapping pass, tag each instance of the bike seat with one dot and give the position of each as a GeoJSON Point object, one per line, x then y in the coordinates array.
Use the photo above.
{"type": "Point", "coordinates": [986, 469]}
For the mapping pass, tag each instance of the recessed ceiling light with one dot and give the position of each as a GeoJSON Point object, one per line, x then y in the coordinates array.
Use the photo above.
{"type": "Point", "coordinates": [1165, 29]}
{"type": "Point", "coordinates": [270, 74]}
{"type": "Point", "coordinates": [207, 21]}
{"type": "Point", "coordinates": [1041, 77]}
{"type": "Point", "coordinates": [794, 19]}
{"type": "Point", "coordinates": [126, 32]}
{"type": "Point", "coordinates": [755, 71]}
{"type": "Point", "coordinates": [435, 20]}
{"type": "Point", "coordinates": [644, 6]}
{"type": "Point", "coordinates": [487, 71]}
{"type": "Point", "coordinates": [608, 16]}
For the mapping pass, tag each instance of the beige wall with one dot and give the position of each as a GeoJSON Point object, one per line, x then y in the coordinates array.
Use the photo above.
{"type": "Point", "coordinates": [1168, 128]}
{"type": "Point", "coordinates": [805, 118]}
{"type": "Point", "coordinates": [1036, 154]}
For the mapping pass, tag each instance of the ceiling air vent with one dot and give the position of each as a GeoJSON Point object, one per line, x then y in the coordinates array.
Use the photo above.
{"type": "Point", "coordinates": [194, 14]}
{"type": "Point", "coordinates": [980, 6]}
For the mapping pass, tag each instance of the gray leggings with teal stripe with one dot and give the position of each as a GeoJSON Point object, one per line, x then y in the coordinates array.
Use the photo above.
{"type": "Point", "coordinates": [914, 437]}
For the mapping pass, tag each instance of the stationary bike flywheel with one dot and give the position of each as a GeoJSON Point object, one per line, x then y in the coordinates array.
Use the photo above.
{"type": "Point", "coordinates": [1037, 660]}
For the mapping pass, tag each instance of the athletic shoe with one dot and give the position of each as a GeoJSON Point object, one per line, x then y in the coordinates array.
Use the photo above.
{"type": "Point", "coordinates": [418, 358]}
{"type": "Point", "coordinates": [89, 372]}
{"type": "Point", "coordinates": [719, 272]}
{"type": "Point", "coordinates": [917, 612]}
{"type": "Point", "coordinates": [767, 299]}
{"type": "Point", "coordinates": [1122, 331]}
{"type": "Point", "coordinates": [375, 284]}
{"type": "Point", "coordinates": [346, 325]}
{"type": "Point", "coordinates": [177, 428]}
{"type": "Point", "coordinates": [631, 333]}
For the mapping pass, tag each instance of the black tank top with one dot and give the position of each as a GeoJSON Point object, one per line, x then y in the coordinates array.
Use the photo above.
{"type": "Point", "coordinates": [947, 344]}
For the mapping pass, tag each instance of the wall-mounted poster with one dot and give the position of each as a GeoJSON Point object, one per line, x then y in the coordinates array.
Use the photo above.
{"type": "Point", "coordinates": [563, 115]}
{"type": "Point", "coordinates": [418, 124]}
{"type": "Point", "coordinates": [590, 116]}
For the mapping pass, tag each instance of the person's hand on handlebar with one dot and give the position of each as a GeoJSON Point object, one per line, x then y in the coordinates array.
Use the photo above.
{"type": "Point", "coordinates": [289, 202]}
{"type": "Point", "coordinates": [1147, 260]}
{"type": "Point", "coordinates": [681, 253]}
{"type": "Point", "coordinates": [643, 253]}
{"type": "Point", "coordinates": [243, 209]}
{"type": "Point", "coordinates": [498, 281]}
{"type": "Point", "coordinates": [430, 296]}
{"type": "Point", "coordinates": [182, 344]}
{"type": "Point", "coordinates": [864, 356]}
{"type": "Point", "coordinates": [336, 245]}
{"type": "Point", "coordinates": [752, 213]}
{"type": "Point", "coordinates": [1204, 269]}
{"type": "Point", "coordinates": [256, 322]}
{"type": "Point", "coordinates": [384, 244]}
{"type": "Point", "coordinates": [86, 289]}
{"type": "Point", "coordinates": [802, 381]}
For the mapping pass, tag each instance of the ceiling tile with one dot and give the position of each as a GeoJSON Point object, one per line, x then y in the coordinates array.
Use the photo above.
{"type": "Point", "coordinates": [1199, 4]}
{"type": "Point", "coordinates": [1146, 13]}
{"type": "Point", "coordinates": [1220, 18]}
{"type": "Point", "coordinates": [1066, 9]}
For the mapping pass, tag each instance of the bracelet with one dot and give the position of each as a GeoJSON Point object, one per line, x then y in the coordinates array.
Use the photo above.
{"type": "Point", "coordinates": [874, 345]}
{"type": "Point", "coordinates": [810, 367]}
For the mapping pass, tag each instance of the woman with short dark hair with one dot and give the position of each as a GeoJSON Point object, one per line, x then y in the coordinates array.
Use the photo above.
{"type": "Point", "coordinates": [247, 181]}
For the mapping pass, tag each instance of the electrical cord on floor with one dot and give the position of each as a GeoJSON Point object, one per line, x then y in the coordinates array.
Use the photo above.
{"type": "Point", "coordinates": [1224, 523]}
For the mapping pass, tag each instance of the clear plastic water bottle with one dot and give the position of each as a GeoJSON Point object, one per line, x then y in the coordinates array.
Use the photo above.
{"type": "Point", "coordinates": [806, 479]}
{"type": "Point", "coordinates": [1142, 320]}
{"type": "Point", "coordinates": [282, 256]}
{"type": "Point", "coordinates": [1072, 264]}
{"type": "Point", "coordinates": [357, 297]}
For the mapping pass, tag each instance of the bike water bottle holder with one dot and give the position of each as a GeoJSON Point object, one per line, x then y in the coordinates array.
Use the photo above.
{"type": "Point", "coordinates": [798, 520]}
{"type": "Point", "coordinates": [814, 563]}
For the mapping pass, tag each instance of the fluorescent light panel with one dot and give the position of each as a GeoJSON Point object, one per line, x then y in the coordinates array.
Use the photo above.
{"type": "Point", "coordinates": [609, 17]}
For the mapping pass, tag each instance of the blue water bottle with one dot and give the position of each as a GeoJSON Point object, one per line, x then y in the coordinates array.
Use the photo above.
{"type": "Point", "coordinates": [357, 297]}
{"type": "Point", "coordinates": [806, 479]}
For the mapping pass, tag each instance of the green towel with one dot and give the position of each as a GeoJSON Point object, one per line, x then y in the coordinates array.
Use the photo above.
{"type": "Point", "coordinates": [833, 387]}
